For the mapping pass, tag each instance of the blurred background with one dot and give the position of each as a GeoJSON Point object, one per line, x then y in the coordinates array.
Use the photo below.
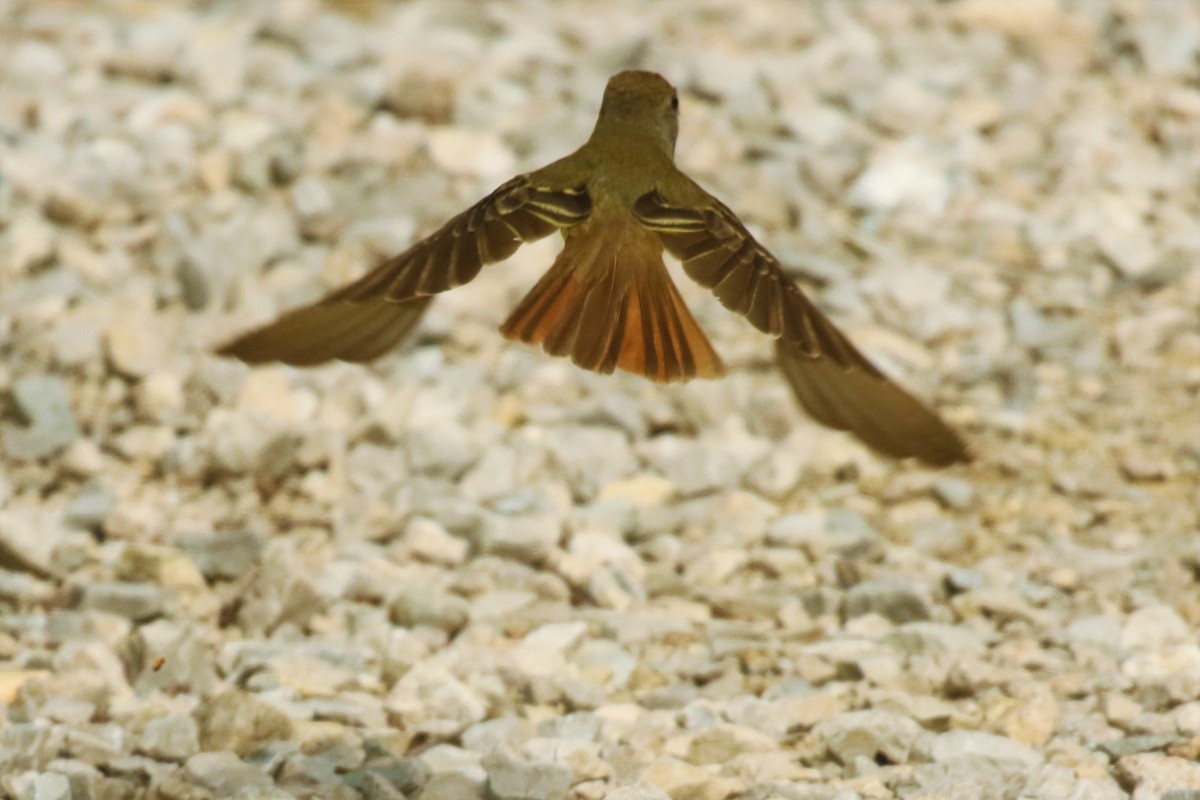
{"type": "Point", "coordinates": [471, 569]}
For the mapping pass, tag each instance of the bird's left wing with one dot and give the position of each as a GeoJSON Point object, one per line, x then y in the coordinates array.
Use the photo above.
{"type": "Point", "coordinates": [834, 382]}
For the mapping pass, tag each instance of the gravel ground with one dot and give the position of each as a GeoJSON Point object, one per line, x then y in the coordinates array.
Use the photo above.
{"type": "Point", "coordinates": [471, 570]}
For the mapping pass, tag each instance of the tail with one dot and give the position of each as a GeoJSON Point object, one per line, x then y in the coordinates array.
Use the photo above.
{"type": "Point", "coordinates": [608, 302]}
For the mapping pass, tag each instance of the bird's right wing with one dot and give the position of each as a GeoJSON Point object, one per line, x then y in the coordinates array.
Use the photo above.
{"type": "Point", "coordinates": [363, 319]}
{"type": "Point", "coordinates": [834, 382]}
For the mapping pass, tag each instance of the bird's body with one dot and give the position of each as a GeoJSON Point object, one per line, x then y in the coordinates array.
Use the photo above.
{"type": "Point", "coordinates": [608, 302]}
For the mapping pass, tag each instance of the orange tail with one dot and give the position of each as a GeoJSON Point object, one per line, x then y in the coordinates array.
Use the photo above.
{"type": "Point", "coordinates": [608, 302]}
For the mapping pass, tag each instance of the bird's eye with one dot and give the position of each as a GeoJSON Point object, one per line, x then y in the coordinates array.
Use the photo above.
{"type": "Point", "coordinates": [674, 102]}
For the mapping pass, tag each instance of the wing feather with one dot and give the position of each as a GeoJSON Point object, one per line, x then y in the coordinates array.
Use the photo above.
{"type": "Point", "coordinates": [832, 380]}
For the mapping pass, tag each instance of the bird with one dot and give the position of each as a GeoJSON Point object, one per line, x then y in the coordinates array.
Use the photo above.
{"type": "Point", "coordinates": [607, 301]}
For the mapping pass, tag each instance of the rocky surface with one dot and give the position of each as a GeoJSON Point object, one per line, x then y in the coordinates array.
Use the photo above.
{"type": "Point", "coordinates": [471, 570]}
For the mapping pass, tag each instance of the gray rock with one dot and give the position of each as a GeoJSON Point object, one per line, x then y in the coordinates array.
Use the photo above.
{"type": "Point", "coordinates": [173, 655]}
{"type": "Point", "coordinates": [928, 638]}
{"type": "Point", "coordinates": [720, 742]}
{"type": "Point", "coordinates": [1012, 755]}
{"type": "Point", "coordinates": [138, 602]}
{"type": "Point", "coordinates": [442, 450]}
{"type": "Point", "coordinates": [223, 774]}
{"type": "Point", "coordinates": [1131, 745]}
{"type": "Point", "coordinates": [135, 348]}
{"type": "Point", "coordinates": [452, 786]}
{"type": "Point", "coordinates": [239, 722]}
{"type": "Point", "coordinates": [172, 738]}
{"type": "Point", "coordinates": [262, 793]}
{"type": "Point", "coordinates": [431, 696]}
{"type": "Point", "coordinates": [96, 743]}
{"type": "Point", "coordinates": [29, 543]}
{"type": "Point", "coordinates": [954, 493]}
{"type": "Point", "coordinates": [48, 786]}
{"type": "Point", "coordinates": [415, 606]}
{"type": "Point", "coordinates": [494, 733]}
{"type": "Point", "coordinates": [30, 242]}
{"type": "Point", "coordinates": [389, 778]}
{"type": "Point", "coordinates": [841, 532]}
{"type": "Point", "coordinates": [442, 759]}
{"type": "Point", "coordinates": [590, 457]}
{"type": "Point", "coordinates": [892, 598]}
{"type": "Point", "coordinates": [869, 734]}
{"type": "Point", "coordinates": [241, 443]}
{"type": "Point", "coordinates": [528, 538]}
{"type": "Point", "coordinates": [968, 776]}
{"type": "Point", "coordinates": [90, 507]}
{"type": "Point", "coordinates": [47, 423]}
{"type": "Point", "coordinates": [1152, 775]}
{"type": "Point", "coordinates": [511, 778]}
{"type": "Point", "coordinates": [637, 791]}
{"type": "Point", "coordinates": [222, 555]}
{"type": "Point", "coordinates": [276, 160]}
{"type": "Point", "coordinates": [693, 467]}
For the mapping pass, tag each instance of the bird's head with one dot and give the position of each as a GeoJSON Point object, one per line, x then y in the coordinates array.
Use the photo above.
{"type": "Point", "coordinates": [644, 101]}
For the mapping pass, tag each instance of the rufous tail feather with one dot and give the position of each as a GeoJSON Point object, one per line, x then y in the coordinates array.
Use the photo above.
{"type": "Point", "coordinates": [608, 302]}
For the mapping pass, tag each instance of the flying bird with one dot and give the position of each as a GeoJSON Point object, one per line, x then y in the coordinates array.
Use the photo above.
{"type": "Point", "coordinates": [607, 301]}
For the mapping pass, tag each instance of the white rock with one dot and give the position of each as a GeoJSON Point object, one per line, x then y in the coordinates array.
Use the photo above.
{"type": "Point", "coordinates": [468, 152]}
{"type": "Point", "coordinates": [903, 178]}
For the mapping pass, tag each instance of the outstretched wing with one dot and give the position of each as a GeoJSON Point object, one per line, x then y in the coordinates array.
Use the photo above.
{"type": "Point", "coordinates": [834, 382]}
{"type": "Point", "coordinates": [363, 319]}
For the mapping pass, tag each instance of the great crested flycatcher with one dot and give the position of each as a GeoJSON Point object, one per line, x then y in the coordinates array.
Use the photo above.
{"type": "Point", "coordinates": [608, 301]}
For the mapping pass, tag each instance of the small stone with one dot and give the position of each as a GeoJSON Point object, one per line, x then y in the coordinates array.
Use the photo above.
{"type": "Point", "coordinates": [494, 733]}
{"type": "Point", "coordinates": [30, 243]}
{"type": "Point", "coordinates": [590, 457]}
{"type": "Point", "coordinates": [908, 177]}
{"type": "Point", "coordinates": [1155, 776]}
{"type": "Point", "coordinates": [644, 490]}
{"type": "Point", "coordinates": [240, 723]}
{"type": "Point", "coordinates": [48, 786]}
{"type": "Point", "coordinates": [1155, 628]}
{"type": "Point", "coordinates": [171, 738]}
{"type": "Point", "coordinates": [138, 602]}
{"type": "Point", "coordinates": [1033, 719]}
{"type": "Point", "coordinates": [452, 786]}
{"type": "Point", "coordinates": [954, 493]}
{"type": "Point", "coordinates": [470, 152]}
{"type": "Point", "coordinates": [136, 345]}
{"type": "Point", "coordinates": [721, 742]}
{"type": "Point", "coordinates": [90, 507]}
{"type": "Point", "coordinates": [820, 534]}
{"type": "Point", "coordinates": [29, 543]}
{"type": "Point", "coordinates": [1174, 670]}
{"type": "Point", "coordinates": [892, 598]}
{"type": "Point", "coordinates": [432, 698]}
{"type": "Point", "coordinates": [692, 467]}
{"type": "Point", "coordinates": [528, 538]}
{"type": "Point", "coordinates": [415, 606]}
{"type": "Point", "coordinates": [977, 744]}
{"type": "Point", "coordinates": [870, 734]}
{"type": "Point", "coordinates": [247, 442]}
{"type": "Point", "coordinates": [47, 422]}
{"type": "Point", "coordinates": [223, 774]}
{"type": "Point", "coordinates": [221, 555]}
{"type": "Point", "coordinates": [638, 791]}
{"type": "Point", "coordinates": [516, 779]}
{"type": "Point", "coordinates": [683, 781]}
{"type": "Point", "coordinates": [1132, 745]}
{"type": "Point", "coordinates": [929, 638]}
{"type": "Point", "coordinates": [430, 541]}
